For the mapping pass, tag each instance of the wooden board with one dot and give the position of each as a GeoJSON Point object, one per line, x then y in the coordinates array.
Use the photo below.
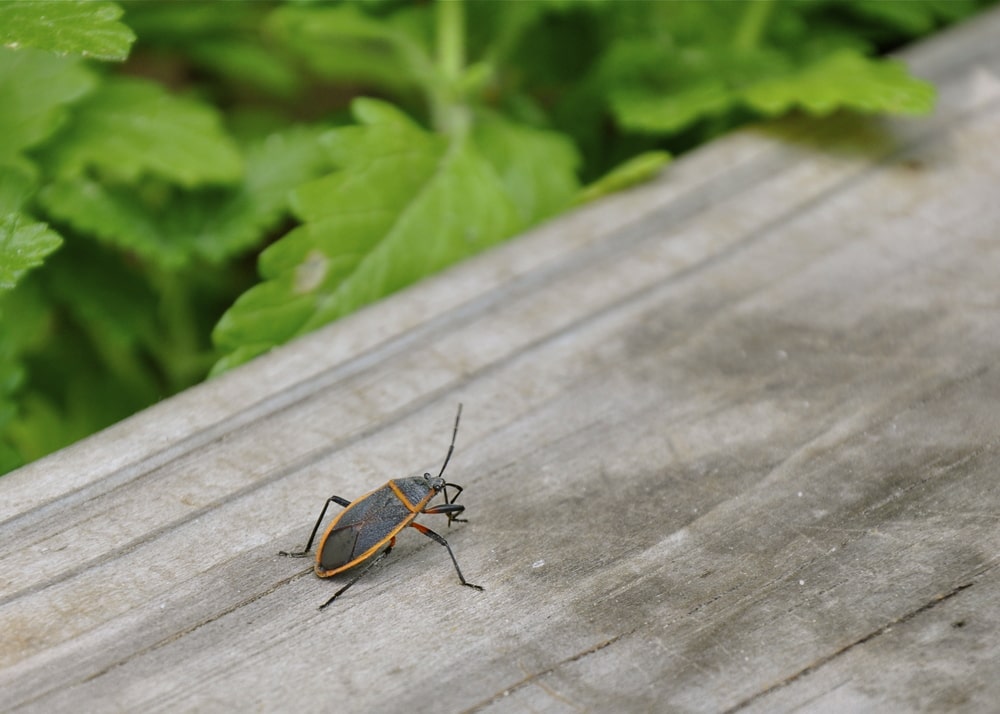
{"type": "Point", "coordinates": [730, 443]}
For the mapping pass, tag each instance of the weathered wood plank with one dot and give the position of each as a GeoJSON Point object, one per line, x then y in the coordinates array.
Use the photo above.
{"type": "Point", "coordinates": [730, 443]}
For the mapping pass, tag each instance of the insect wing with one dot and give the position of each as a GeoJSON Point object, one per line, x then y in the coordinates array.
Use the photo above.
{"type": "Point", "coordinates": [366, 524]}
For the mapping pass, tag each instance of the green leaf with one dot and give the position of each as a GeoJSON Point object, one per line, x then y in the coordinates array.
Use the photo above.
{"type": "Point", "coordinates": [24, 243]}
{"type": "Point", "coordinates": [80, 331]}
{"type": "Point", "coordinates": [23, 246]}
{"type": "Point", "coordinates": [711, 82]}
{"type": "Point", "coordinates": [655, 89]}
{"type": "Point", "coordinates": [222, 39]}
{"type": "Point", "coordinates": [913, 17]}
{"type": "Point", "coordinates": [90, 29]}
{"type": "Point", "coordinates": [129, 128]}
{"type": "Point", "coordinates": [25, 320]}
{"type": "Point", "coordinates": [495, 29]}
{"type": "Point", "coordinates": [105, 294]}
{"type": "Point", "coordinates": [240, 355]}
{"type": "Point", "coordinates": [667, 112]}
{"type": "Point", "coordinates": [90, 399]}
{"type": "Point", "coordinates": [177, 24]}
{"type": "Point", "coordinates": [275, 166]}
{"type": "Point", "coordinates": [25, 314]}
{"type": "Point", "coordinates": [35, 88]}
{"type": "Point", "coordinates": [636, 170]}
{"type": "Point", "coordinates": [31, 432]}
{"type": "Point", "coordinates": [343, 43]}
{"type": "Point", "coordinates": [247, 62]}
{"type": "Point", "coordinates": [405, 204]}
{"type": "Point", "coordinates": [17, 184]}
{"type": "Point", "coordinates": [537, 167]}
{"type": "Point", "coordinates": [10, 459]}
{"type": "Point", "coordinates": [563, 5]}
{"type": "Point", "coordinates": [171, 227]}
{"type": "Point", "coordinates": [844, 80]}
{"type": "Point", "coordinates": [110, 312]}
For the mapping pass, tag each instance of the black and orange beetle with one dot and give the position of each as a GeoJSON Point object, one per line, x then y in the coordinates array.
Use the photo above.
{"type": "Point", "coordinates": [371, 523]}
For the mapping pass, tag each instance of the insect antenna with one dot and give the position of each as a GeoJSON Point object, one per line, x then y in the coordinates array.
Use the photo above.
{"type": "Point", "coordinates": [451, 450]}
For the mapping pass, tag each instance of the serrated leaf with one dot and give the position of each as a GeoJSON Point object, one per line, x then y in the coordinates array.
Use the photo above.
{"type": "Point", "coordinates": [23, 246]}
{"type": "Point", "coordinates": [405, 204]}
{"type": "Point", "coordinates": [35, 88]}
{"type": "Point", "coordinates": [666, 112]}
{"type": "Point", "coordinates": [275, 166]}
{"type": "Point", "coordinates": [537, 167]}
{"type": "Point", "coordinates": [128, 128]}
{"type": "Point", "coordinates": [90, 29]}
{"type": "Point", "coordinates": [24, 243]}
{"type": "Point", "coordinates": [654, 89]}
{"type": "Point", "coordinates": [114, 215]}
{"type": "Point", "coordinates": [171, 227]}
{"type": "Point", "coordinates": [723, 79]}
{"type": "Point", "coordinates": [636, 170]}
{"type": "Point", "coordinates": [844, 80]}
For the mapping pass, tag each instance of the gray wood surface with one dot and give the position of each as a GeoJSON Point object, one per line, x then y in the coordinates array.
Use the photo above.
{"type": "Point", "coordinates": [731, 442]}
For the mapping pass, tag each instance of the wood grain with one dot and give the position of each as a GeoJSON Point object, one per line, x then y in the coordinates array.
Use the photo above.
{"type": "Point", "coordinates": [730, 443]}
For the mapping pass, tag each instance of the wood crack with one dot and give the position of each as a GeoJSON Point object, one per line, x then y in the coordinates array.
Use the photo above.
{"type": "Point", "coordinates": [806, 671]}
{"type": "Point", "coordinates": [531, 678]}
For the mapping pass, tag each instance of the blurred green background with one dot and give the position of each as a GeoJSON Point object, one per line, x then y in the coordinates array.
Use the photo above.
{"type": "Point", "coordinates": [185, 185]}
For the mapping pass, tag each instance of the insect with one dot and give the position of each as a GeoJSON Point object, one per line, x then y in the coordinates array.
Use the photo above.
{"type": "Point", "coordinates": [366, 529]}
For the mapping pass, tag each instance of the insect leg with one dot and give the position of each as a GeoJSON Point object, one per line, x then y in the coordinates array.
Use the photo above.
{"type": "Point", "coordinates": [305, 551]}
{"type": "Point", "coordinates": [374, 561]}
{"type": "Point", "coordinates": [431, 534]}
{"type": "Point", "coordinates": [450, 509]}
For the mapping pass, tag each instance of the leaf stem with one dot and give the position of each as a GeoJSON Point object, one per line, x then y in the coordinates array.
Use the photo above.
{"type": "Point", "coordinates": [450, 18]}
{"type": "Point", "coordinates": [448, 112]}
{"type": "Point", "coordinates": [752, 25]}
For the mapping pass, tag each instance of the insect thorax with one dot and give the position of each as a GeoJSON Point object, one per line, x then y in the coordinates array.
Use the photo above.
{"type": "Point", "coordinates": [416, 488]}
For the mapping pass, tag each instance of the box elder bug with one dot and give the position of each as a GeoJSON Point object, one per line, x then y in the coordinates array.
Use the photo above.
{"type": "Point", "coordinates": [370, 524]}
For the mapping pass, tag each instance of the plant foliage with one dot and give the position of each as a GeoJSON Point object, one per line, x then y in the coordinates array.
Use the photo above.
{"type": "Point", "coordinates": [153, 153]}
